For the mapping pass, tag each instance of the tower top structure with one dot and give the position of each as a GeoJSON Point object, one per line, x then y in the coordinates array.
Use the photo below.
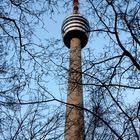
{"type": "Point", "coordinates": [75, 26]}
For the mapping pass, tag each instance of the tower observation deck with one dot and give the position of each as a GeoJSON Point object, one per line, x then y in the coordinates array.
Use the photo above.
{"type": "Point", "coordinates": [75, 33]}
{"type": "Point", "coordinates": [75, 26]}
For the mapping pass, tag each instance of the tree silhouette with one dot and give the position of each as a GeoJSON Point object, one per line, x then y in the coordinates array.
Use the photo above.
{"type": "Point", "coordinates": [30, 67]}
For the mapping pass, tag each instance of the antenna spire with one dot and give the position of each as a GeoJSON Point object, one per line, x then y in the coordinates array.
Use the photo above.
{"type": "Point", "coordinates": [75, 7]}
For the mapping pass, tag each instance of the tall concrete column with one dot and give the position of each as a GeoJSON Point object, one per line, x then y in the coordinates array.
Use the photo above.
{"type": "Point", "coordinates": [75, 36]}
{"type": "Point", "coordinates": [74, 129]}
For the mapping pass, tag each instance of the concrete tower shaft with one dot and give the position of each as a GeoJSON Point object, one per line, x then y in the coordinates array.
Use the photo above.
{"type": "Point", "coordinates": [75, 32]}
{"type": "Point", "coordinates": [74, 129]}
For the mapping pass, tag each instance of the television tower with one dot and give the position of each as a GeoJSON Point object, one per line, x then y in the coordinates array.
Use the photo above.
{"type": "Point", "coordinates": [75, 32]}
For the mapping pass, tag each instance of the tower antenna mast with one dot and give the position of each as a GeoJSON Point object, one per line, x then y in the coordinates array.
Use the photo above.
{"type": "Point", "coordinates": [75, 7]}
